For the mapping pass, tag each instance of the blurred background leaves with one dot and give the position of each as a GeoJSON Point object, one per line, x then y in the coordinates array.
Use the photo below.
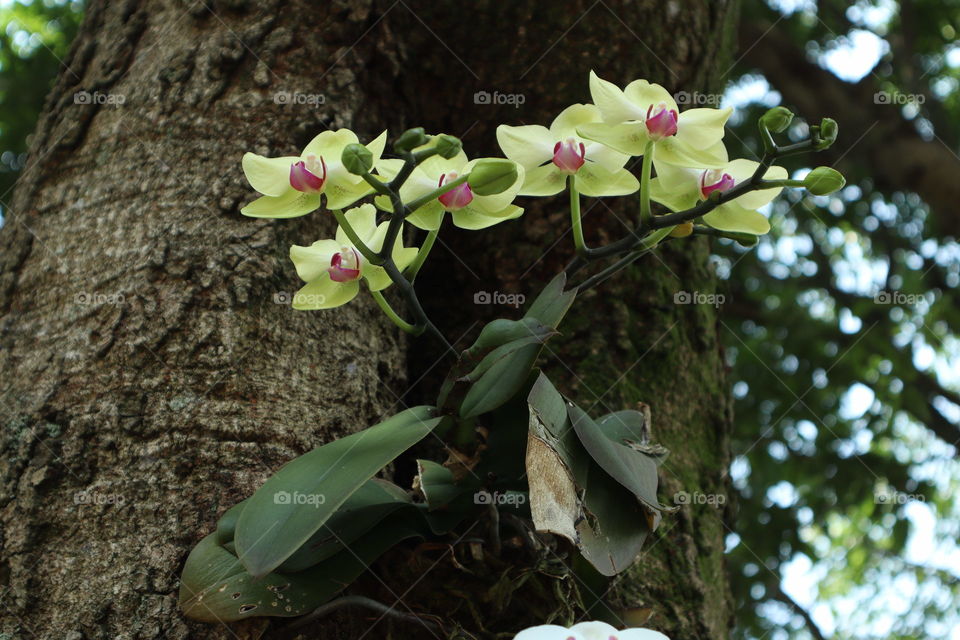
{"type": "Point", "coordinates": [840, 327]}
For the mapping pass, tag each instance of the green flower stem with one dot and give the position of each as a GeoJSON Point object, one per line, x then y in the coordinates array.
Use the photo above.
{"type": "Point", "coordinates": [645, 216]}
{"type": "Point", "coordinates": [414, 268]}
{"type": "Point", "coordinates": [575, 221]}
{"type": "Point", "coordinates": [646, 245]}
{"type": "Point", "coordinates": [390, 313]}
{"type": "Point", "coordinates": [772, 184]}
{"type": "Point", "coordinates": [375, 182]}
{"type": "Point", "coordinates": [436, 193]}
{"type": "Point", "coordinates": [369, 254]}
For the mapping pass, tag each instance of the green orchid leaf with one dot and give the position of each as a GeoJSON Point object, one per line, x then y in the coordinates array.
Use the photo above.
{"type": "Point", "coordinates": [215, 587]}
{"type": "Point", "coordinates": [553, 302]}
{"type": "Point", "coordinates": [634, 470]}
{"type": "Point", "coordinates": [293, 504]}
{"type": "Point", "coordinates": [368, 506]}
{"type": "Point", "coordinates": [614, 526]}
{"type": "Point", "coordinates": [436, 483]}
{"type": "Point", "coordinates": [227, 524]}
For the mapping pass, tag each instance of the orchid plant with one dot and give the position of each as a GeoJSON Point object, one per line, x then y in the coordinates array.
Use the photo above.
{"type": "Point", "coordinates": [519, 451]}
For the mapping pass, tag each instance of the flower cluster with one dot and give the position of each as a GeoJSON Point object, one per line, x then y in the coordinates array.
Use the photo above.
{"type": "Point", "coordinates": [586, 150]}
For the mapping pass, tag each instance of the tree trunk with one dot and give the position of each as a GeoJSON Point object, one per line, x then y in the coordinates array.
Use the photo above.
{"type": "Point", "coordinates": [150, 379]}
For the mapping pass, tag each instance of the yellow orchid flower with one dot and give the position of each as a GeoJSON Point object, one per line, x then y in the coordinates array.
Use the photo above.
{"type": "Point", "coordinates": [643, 112]}
{"type": "Point", "coordinates": [292, 185]}
{"type": "Point", "coordinates": [469, 210]}
{"type": "Point", "coordinates": [332, 269]}
{"type": "Point", "coordinates": [549, 156]}
{"type": "Point", "coordinates": [680, 188]}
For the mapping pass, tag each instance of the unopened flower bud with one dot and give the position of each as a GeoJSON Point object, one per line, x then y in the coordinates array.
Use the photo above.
{"type": "Point", "coordinates": [825, 135]}
{"type": "Point", "coordinates": [356, 159]}
{"type": "Point", "coordinates": [410, 140]}
{"type": "Point", "coordinates": [492, 176]}
{"type": "Point", "coordinates": [823, 180]}
{"type": "Point", "coordinates": [777, 119]}
{"type": "Point", "coordinates": [448, 146]}
{"type": "Point", "coordinates": [682, 230]}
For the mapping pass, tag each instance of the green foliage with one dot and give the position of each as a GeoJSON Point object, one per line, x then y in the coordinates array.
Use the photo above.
{"type": "Point", "coordinates": [842, 331]}
{"type": "Point", "coordinates": [34, 38]}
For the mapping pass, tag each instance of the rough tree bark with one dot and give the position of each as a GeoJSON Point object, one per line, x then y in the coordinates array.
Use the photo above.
{"type": "Point", "coordinates": [149, 380]}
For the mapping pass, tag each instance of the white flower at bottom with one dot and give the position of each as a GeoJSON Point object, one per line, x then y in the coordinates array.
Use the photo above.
{"type": "Point", "coordinates": [587, 631]}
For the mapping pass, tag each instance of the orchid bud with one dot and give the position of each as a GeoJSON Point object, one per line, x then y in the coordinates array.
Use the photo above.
{"type": "Point", "coordinates": [310, 175]}
{"type": "Point", "coordinates": [569, 156]}
{"type": "Point", "coordinates": [661, 123]}
{"type": "Point", "coordinates": [458, 197]}
{"type": "Point", "coordinates": [824, 180]}
{"type": "Point", "coordinates": [356, 159]}
{"type": "Point", "coordinates": [410, 140]}
{"type": "Point", "coordinates": [682, 230]}
{"type": "Point", "coordinates": [448, 146]}
{"type": "Point", "coordinates": [492, 176]}
{"type": "Point", "coordinates": [777, 119]}
{"type": "Point", "coordinates": [825, 135]}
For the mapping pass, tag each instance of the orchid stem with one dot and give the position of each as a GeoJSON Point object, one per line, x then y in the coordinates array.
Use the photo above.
{"type": "Point", "coordinates": [645, 216]}
{"type": "Point", "coordinates": [414, 268]}
{"type": "Point", "coordinates": [390, 313]}
{"type": "Point", "coordinates": [575, 220]}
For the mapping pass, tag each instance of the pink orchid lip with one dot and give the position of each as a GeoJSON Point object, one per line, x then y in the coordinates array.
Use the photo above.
{"type": "Point", "coordinates": [345, 265]}
{"type": "Point", "coordinates": [303, 175]}
{"type": "Point", "coordinates": [458, 197]}
{"type": "Point", "coordinates": [663, 123]}
{"type": "Point", "coordinates": [724, 183]}
{"type": "Point", "coordinates": [569, 156]}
